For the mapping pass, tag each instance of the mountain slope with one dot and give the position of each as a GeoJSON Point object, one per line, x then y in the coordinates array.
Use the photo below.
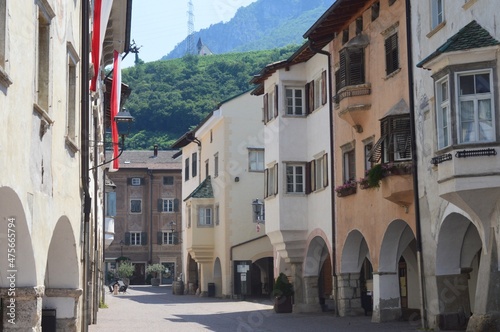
{"type": "Point", "coordinates": [264, 24]}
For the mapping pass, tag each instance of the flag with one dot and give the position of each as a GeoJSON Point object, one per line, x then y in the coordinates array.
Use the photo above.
{"type": "Point", "coordinates": [102, 10]}
{"type": "Point", "coordinates": [116, 91]}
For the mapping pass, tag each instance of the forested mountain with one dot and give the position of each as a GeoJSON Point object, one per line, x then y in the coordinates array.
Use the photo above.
{"type": "Point", "coordinates": [169, 97]}
{"type": "Point", "coordinates": [262, 25]}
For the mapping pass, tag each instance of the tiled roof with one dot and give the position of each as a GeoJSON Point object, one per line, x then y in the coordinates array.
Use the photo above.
{"type": "Point", "coordinates": [469, 37]}
{"type": "Point", "coordinates": [204, 190]}
{"type": "Point", "coordinates": [146, 159]}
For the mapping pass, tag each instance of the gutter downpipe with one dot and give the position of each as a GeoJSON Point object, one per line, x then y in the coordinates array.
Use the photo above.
{"type": "Point", "coordinates": [150, 173]}
{"type": "Point", "coordinates": [87, 200]}
{"type": "Point", "coordinates": [418, 226]}
{"type": "Point", "coordinates": [332, 172]}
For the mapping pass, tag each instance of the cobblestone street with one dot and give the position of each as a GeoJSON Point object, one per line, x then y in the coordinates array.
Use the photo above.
{"type": "Point", "coordinates": [146, 308]}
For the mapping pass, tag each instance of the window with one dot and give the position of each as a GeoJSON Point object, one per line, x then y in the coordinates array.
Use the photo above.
{"type": "Point", "coordinates": [168, 205]}
{"type": "Point", "coordinates": [169, 237]}
{"type": "Point", "coordinates": [135, 181]}
{"type": "Point", "coordinates": [349, 166]}
{"type": "Point", "coordinates": [135, 238]}
{"type": "Point", "coordinates": [321, 172]}
{"type": "Point", "coordinates": [168, 180]}
{"type": "Point", "coordinates": [294, 101]}
{"type": "Point", "coordinates": [437, 13]}
{"type": "Point", "coordinates": [345, 36]}
{"type": "Point", "coordinates": [375, 10]}
{"type": "Point", "coordinates": [368, 149]}
{"type": "Point", "coordinates": [186, 169]}
{"type": "Point", "coordinates": [359, 25]}
{"type": "Point", "coordinates": [271, 181]}
{"type": "Point", "coordinates": [45, 15]}
{"type": "Point", "coordinates": [352, 68]}
{"type": "Point", "coordinates": [395, 140]}
{"type": "Point", "coordinates": [443, 113]}
{"type": "Point", "coordinates": [194, 166]}
{"type": "Point", "coordinates": [475, 107]}
{"type": "Point", "coordinates": [135, 205]}
{"type": "Point", "coordinates": [111, 204]}
{"type": "Point", "coordinates": [271, 105]}
{"type": "Point", "coordinates": [71, 95]}
{"type": "Point", "coordinates": [316, 93]}
{"type": "Point", "coordinates": [256, 160]}
{"type": "Point", "coordinates": [204, 216]}
{"type": "Point", "coordinates": [216, 165]}
{"type": "Point", "coordinates": [294, 178]}
{"type": "Point", "coordinates": [206, 169]}
{"type": "Point", "coordinates": [391, 54]}
{"type": "Point", "coordinates": [217, 221]}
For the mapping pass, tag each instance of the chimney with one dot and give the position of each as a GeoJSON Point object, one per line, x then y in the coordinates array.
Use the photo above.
{"type": "Point", "coordinates": [155, 150]}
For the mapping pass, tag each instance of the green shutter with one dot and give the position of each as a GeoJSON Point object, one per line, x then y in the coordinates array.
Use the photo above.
{"type": "Point", "coordinates": [144, 238]}
{"type": "Point", "coordinates": [159, 237]}
{"type": "Point", "coordinates": [357, 66]}
{"type": "Point", "coordinates": [127, 238]}
{"type": "Point", "coordinates": [176, 205]}
{"type": "Point", "coordinates": [308, 109]}
{"type": "Point", "coordinates": [160, 205]}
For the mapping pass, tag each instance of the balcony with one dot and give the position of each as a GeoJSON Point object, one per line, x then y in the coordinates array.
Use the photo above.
{"type": "Point", "coordinates": [470, 179]}
{"type": "Point", "coordinates": [352, 103]}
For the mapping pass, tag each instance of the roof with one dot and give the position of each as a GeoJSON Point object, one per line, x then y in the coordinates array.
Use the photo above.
{"type": "Point", "coordinates": [204, 190]}
{"type": "Point", "coordinates": [469, 37]}
{"type": "Point", "coordinates": [145, 159]}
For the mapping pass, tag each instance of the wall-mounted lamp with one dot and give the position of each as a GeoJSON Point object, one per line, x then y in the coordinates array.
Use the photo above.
{"type": "Point", "coordinates": [123, 122]}
{"type": "Point", "coordinates": [258, 209]}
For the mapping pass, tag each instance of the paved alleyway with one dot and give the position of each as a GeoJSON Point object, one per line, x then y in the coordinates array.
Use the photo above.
{"type": "Point", "coordinates": [146, 308]}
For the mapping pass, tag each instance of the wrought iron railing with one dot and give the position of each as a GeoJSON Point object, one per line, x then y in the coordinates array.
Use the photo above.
{"type": "Point", "coordinates": [442, 158]}
{"type": "Point", "coordinates": [476, 153]}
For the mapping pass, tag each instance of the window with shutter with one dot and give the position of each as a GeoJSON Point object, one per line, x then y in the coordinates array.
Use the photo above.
{"type": "Point", "coordinates": [194, 167]}
{"type": "Point", "coordinates": [349, 166]}
{"type": "Point", "coordinates": [395, 140]}
{"type": "Point", "coordinates": [276, 101]}
{"type": "Point", "coordinates": [168, 180]}
{"type": "Point", "coordinates": [323, 88]}
{"type": "Point", "coordinates": [391, 54]}
{"type": "Point", "coordinates": [275, 179]}
{"type": "Point", "coordinates": [295, 178]}
{"type": "Point", "coordinates": [186, 169]}
{"type": "Point", "coordinates": [294, 99]}
{"type": "Point", "coordinates": [266, 108]}
{"type": "Point", "coordinates": [144, 238]}
{"type": "Point", "coordinates": [135, 206]}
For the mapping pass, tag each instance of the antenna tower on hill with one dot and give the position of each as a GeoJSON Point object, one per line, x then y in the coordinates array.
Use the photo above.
{"type": "Point", "coordinates": [190, 41]}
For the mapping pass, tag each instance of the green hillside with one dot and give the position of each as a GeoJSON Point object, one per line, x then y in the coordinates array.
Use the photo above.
{"type": "Point", "coordinates": [170, 97]}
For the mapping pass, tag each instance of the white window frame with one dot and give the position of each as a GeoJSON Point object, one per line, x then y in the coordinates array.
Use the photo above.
{"type": "Point", "coordinates": [475, 98]}
{"type": "Point", "coordinates": [135, 238]}
{"type": "Point", "coordinates": [318, 92]}
{"type": "Point", "coordinates": [346, 163]}
{"type": "Point", "coordinates": [167, 205]}
{"type": "Point", "coordinates": [320, 174]}
{"type": "Point", "coordinates": [167, 237]}
{"type": "Point", "coordinates": [437, 13]}
{"type": "Point", "coordinates": [135, 181]}
{"type": "Point", "coordinates": [140, 205]}
{"type": "Point", "coordinates": [43, 56]}
{"type": "Point", "coordinates": [205, 216]}
{"type": "Point", "coordinates": [443, 116]}
{"type": "Point", "coordinates": [295, 106]}
{"type": "Point", "coordinates": [295, 178]}
{"type": "Point", "coordinates": [71, 116]}
{"type": "Point", "coordinates": [255, 160]}
{"type": "Point", "coordinates": [270, 106]}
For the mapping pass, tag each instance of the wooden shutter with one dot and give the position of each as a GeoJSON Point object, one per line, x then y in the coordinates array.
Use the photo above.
{"type": "Point", "coordinates": [159, 237]}
{"type": "Point", "coordinates": [391, 54]}
{"type": "Point", "coordinates": [175, 236]}
{"type": "Point", "coordinates": [144, 238]}
{"type": "Point", "coordinates": [325, 170]}
{"type": "Point", "coordinates": [276, 99]}
{"type": "Point", "coordinates": [308, 109]}
{"type": "Point", "coordinates": [176, 205]}
{"type": "Point", "coordinates": [323, 88]}
{"type": "Point", "coordinates": [342, 72]}
{"type": "Point", "coordinates": [160, 205]}
{"type": "Point", "coordinates": [127, 238]}
{"type": "Point", "coordinates": [276, 179]}
{"type": "Point", "coordinates": [357, 66]}
{"type": "Point", "coordinates": [311, 97]}
{"type": "Point", "coordinates": [266, 180]}
{"type": "Point", "coordinates": [266, 107]}
{"type": "Point", "coordinates": [308, 177]}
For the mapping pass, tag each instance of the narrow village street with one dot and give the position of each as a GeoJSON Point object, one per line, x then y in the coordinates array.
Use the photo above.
{"type": "Point", "coordinates": [146, 308]}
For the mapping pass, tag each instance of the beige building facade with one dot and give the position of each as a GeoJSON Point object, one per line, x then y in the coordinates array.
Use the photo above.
{"type": "Point", "coordinates": [226, 252]}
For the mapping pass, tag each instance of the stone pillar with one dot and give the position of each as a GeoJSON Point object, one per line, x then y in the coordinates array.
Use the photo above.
{"type": "Point", "coordinates": [298, 296]}
{"type": "Point", "coordinates": [386, 297]}
{"type": "Point", "coordinates": [349, 295]}
{"type": "Point", "coordinates": [61, 299]}
{"type": "Point", "coordinates": [22, 312]}
{"type": "Point", "coordinates": [486, 315]}
{"type": "Point", "coordinates": [454, 303]}
{"type": "Point", "coordinates": [310, 296]}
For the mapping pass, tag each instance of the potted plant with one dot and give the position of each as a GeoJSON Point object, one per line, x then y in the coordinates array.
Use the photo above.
{"type": "Point", "coordinates": [155, 270]}
{"type": "Point", "coordinates": [282, 293]}
{"type": "Point", "coordinates": [125, 270]}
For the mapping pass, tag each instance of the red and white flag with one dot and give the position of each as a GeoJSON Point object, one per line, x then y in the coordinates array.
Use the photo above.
{"type": "Point", "coordinates": [116, 91]}
{"type": "Point", "coordinates": [102, 10]}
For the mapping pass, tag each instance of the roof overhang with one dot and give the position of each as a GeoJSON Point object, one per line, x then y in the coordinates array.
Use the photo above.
{"type": "Point", "coordinates": [118, 30]}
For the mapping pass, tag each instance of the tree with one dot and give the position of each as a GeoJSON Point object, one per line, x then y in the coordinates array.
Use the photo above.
{"type": "Point", "coordinates": [125, 270]}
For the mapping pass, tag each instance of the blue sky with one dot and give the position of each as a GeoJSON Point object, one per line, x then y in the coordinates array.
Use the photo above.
{"type": "Point", "coordinates": [159, 25]}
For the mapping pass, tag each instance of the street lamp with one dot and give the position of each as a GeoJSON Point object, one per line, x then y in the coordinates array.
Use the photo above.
{"type": "Point", "coordinates": [258, 209]}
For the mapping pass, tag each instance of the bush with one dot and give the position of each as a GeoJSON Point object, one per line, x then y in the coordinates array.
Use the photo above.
{"type": "Point", "coordinates": [282, 287]}
{"type": "Point", "coordinates": [125, 270]}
